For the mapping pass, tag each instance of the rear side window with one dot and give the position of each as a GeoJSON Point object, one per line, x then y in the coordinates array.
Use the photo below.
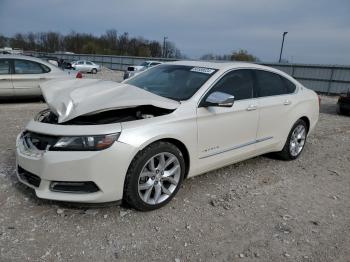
{"type": "Point", "coordinates": [4, 67]}
{"type": "Point", "coordinates": [88, 63]}
{"type": "Point", "coordinates": [290, 86]}
{"type": "Point", "coordinates": [238, 83]}
{"type": "Point", "coordinates": [29, 67]}
{"type": "Point", "coordinates": [271, 84]}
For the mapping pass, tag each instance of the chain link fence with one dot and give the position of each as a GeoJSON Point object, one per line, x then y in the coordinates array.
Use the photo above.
{"type": "Point", "coordinates": [329, 79]}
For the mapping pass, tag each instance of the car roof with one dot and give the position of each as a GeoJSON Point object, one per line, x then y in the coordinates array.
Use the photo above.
{"type": "Point", "coordinates": [225, 66]}
{"type": "Point", "coordinates": [31, 58]}
{"type": "Point", "coordinates": [84, 61]}
{"type": "Point", "coordinates": [219, 65]}
{"type": "Point", "coordinates": [26, 57]}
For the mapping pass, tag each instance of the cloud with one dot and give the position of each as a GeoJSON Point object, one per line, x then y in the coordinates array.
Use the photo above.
{"type": "Point", "coordinates": [318, 31]}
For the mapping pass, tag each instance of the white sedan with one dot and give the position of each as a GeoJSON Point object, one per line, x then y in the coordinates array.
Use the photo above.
{"type": "Point", "coordinates": [86, 66]}
{"type": "Point", "coordinates": [135, 70]}
{"type": "Point", "coordinates": [21, 76]}
{"type": "Point", "coordinates": [137, 141]}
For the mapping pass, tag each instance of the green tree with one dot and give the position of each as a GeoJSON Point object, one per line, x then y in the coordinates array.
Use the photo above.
{"type": "Point", "coordinates": [243, 55]}
{"type": "Point", "coordinates": [89, 48]}
{"type": "Point", "coordinates": [3, 41]}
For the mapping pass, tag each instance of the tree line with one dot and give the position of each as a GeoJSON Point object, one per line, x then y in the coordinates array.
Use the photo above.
{"type": "Point", "coordinates": [109, 43]}
{"type": "Point", "coordinates": [240, 55]}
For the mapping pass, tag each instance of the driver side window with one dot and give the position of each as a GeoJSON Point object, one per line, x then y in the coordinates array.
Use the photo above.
{"type": "Point", "coordinates": [238, 83]}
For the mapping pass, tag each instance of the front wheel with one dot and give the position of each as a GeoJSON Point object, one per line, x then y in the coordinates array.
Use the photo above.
{"type": "Point", "coordinates": [154, 176]}
{"type": "Point", "coordinates": [94, 71]}
{"type": "Point", "coordinates": [295, 142]}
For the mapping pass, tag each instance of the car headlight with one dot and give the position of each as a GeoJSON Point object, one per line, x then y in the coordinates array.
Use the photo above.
{"type": "Point", "coordinates": [85, 143]}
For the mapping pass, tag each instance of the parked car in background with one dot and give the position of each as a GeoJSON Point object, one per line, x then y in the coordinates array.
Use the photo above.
{"type": "Point", "coordinates": [134, 70]}
{"type": "Point", "coordinates": [343, 105]}
{"type": "Point", "coordinates": [51, 59]}
{"type": "Point", "coordinates": [139, 139]}
{"type": "Point", "coordinates": [64, 64]}
{"type": "Point", "coordinates": [20, 76]}
{"type": "Point", "coordinates": [12, 51]}
{"type": "Point", "coordinates": [86, 66]}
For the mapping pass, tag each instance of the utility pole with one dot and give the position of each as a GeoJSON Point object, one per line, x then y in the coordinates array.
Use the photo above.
{"type": "Point", "coordinates": [284, 34]}
{"type": "Point", "coordinates": [164, 46]}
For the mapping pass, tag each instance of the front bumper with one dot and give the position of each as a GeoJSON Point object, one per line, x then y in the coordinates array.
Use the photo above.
{"type": "Point", "coordinates": [106, 169]}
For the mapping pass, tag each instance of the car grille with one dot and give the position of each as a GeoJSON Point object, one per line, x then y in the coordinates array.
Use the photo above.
{"type": "Point", "coordinates": [28, 177]}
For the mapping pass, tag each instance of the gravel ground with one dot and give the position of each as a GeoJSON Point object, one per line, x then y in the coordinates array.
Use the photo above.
{"type": "Point", "coordinates": [258, 210]}
{"type": "Point", "coordinates": [107, 74]}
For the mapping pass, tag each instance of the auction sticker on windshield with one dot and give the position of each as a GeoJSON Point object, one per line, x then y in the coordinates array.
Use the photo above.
{"type": "Point", "coordinates": [203, 70]}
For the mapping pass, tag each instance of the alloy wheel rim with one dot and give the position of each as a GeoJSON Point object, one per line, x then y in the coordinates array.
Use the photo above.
{"type": "Point", "coordinates": [159, 178]}
{"type": "Point", "coordinates": [297, 140]}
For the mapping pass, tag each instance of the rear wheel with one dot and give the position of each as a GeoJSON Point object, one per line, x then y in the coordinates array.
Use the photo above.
{"type": "Point", "coordinates": [295, 142]}
{"type": "Point", "coordinates": [154, 176]}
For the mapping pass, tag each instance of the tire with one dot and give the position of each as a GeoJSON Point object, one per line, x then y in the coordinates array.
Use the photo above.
{"type": "Point", "coordinates": [94, 71]}
{"type": "Point", "coordinates": [148, 187]}
{"type": "Point", "coordinates": [289, 152]}
{"type": "Point", "coordinates": [340, 111]}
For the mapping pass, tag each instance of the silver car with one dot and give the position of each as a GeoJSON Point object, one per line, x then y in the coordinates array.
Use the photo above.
{"type": "Point", "coordinates": [20, 76]}
{"type": "Point", "coordinates": [86, 66]}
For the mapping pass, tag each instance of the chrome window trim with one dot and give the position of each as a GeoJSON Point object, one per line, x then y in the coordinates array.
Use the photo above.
{"type": "Point", "coordinates": [217, 80]}
{"type": "Point", "coordinates": [237, 147]}
{"type": "Point", "coordinates": [31, 61]}
{"type": "Point", "coordinates": [297, 85]}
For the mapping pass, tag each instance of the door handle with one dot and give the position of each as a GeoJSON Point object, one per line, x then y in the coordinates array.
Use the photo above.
{"type": "Point", "coordinates": [251, 108]}
{"type": "Point", "coordinates": [287, 102]}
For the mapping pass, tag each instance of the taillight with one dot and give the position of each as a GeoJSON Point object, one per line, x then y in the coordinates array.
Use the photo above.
{"type": "Point", "coordinates": [79, 75]}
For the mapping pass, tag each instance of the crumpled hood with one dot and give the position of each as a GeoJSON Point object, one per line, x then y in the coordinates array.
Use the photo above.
{"type": "Point", "coordinates": [69, 99]}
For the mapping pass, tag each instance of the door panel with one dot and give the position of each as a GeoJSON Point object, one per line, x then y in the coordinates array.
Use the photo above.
{"type": "Point", "coordinates": [274, 120]}
{"type": "Point", "coordinates": [26, 85]}
{"type": "Point", "coordinates": [27, 76]}
{"type": "Point", "coordinates": [6, 87]}
{"type": "Point", "coordinates": [276, 100]}
{"type": "Point", "coordinates": [227, 130]}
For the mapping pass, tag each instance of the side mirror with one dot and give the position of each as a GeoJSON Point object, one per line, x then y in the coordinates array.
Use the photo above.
{"type": "Point", "coordinates": [219, 99]}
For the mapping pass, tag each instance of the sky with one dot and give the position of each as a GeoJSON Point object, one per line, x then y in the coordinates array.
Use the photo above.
{"type": "Point", "coordinates": [318, 31]}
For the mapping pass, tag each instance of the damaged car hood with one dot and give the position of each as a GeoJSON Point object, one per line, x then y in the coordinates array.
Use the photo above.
{"type": "Point", "coordinates": [69, 99]}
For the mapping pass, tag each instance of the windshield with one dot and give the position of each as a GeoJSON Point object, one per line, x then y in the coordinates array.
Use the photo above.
{"type": "Point", "coordinates": [176, 82]}
{"type": "Point", "coordinates": [144, 64]}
